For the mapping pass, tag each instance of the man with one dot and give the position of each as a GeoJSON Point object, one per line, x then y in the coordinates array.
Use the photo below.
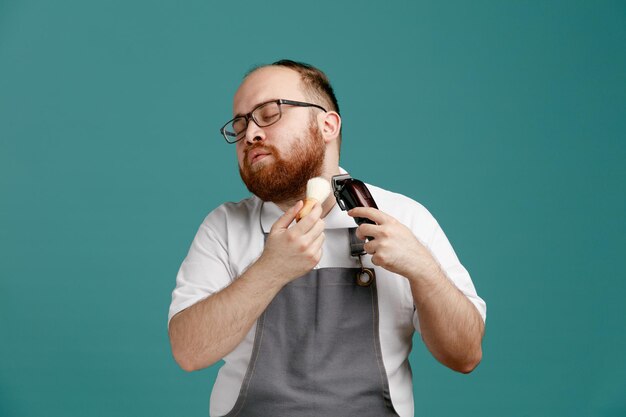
{"type": "Point", "coordinates": [281, 302]}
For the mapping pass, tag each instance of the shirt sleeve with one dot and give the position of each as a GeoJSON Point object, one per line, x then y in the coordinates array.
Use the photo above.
{"type": "Point", "coordinates": [205, 269]}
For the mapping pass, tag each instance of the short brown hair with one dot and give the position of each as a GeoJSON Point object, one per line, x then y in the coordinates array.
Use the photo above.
{"type": "Point", "coordinates": [314, 80]}
{"type": "Point", "coordinates": [316, 83]}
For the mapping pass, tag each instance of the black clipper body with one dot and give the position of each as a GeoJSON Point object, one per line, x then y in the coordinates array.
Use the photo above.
{"type": "Point", "coordinates": [350, 193]}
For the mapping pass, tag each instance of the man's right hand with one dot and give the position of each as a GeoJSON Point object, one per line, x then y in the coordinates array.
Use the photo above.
{"type": "Point", "coordinates": [210, 329]}
{"type": "Point", "coordinates": [291, 252]}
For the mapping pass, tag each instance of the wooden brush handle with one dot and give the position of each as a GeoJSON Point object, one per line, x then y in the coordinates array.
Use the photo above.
{"type": "Point", "coordinates": [306, 209]}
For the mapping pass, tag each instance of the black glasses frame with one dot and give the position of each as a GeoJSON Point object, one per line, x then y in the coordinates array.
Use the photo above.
{"type": "Point", "coordinates": [231, 137]}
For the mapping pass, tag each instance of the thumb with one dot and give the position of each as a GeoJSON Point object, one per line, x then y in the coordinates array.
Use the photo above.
{"type": "Point", "coordinates": [289, 216]}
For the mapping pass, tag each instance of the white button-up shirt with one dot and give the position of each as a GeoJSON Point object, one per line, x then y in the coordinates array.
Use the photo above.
{"type": "Point", "coordinates": [231, 238]}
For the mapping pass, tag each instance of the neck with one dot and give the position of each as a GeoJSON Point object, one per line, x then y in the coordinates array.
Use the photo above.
{"type": "Point", "coordinates": [327, 205]}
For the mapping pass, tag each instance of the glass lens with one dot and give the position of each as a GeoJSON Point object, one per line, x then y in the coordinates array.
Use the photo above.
{"type": "Point", "coordinates": [267, 114]}
{"type": "Point", "coordinates": [230, 136]}
{"type": "Point", "coordinates": [238, 125]}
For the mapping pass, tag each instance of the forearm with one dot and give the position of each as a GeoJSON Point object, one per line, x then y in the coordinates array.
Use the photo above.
{"type": "Point", "coordinates": [450, 324]}
{"type": "Point", "coordinates": [210, 329]}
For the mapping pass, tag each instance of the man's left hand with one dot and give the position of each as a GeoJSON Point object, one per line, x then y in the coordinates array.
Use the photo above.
{"type": "Point", "coordinates": [394, 246]}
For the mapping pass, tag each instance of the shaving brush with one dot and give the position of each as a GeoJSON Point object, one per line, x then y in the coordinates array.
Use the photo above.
{"type": "Point", "coordinates": [317, 190]}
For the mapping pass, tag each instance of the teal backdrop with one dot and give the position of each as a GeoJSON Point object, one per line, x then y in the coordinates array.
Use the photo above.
{"type": "Point", "coordinates": [505, 119]}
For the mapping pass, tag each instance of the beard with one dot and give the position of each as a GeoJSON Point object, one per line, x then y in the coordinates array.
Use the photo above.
{"type": "Point", "coordinates": [285, 178]}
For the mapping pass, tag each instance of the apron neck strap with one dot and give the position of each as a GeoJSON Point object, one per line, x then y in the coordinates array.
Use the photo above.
{"type": "Point", "coordinates": [356, 244]}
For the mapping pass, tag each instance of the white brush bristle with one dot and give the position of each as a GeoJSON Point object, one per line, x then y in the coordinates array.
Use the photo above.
{"type": "Point", "coordinates": [318, 188]}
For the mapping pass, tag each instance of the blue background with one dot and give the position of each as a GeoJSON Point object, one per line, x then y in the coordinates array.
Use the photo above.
{"type": "Point", "coordinates": [505, 119]}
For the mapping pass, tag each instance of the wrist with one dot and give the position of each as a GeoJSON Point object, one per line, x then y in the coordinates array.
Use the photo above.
{"type": "Point", "coordinates": [428, 274]}
{"type": "Point", "coordinates": [273, 274]}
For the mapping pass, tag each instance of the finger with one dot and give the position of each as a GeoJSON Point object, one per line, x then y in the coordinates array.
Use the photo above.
{"type": "Point", "coordinates": [370, 213]}
{"type": "Point", "coordinates": [371, 246]}
{"type": "Point", "coordinates": [368, 230]}
{"type": "Point", "coordinates": [376, 260]}
{"type": "Point", "coordinates": [308, 221]}
{"type": "Point", "coordinates": [313, 252]}
{"type": "Point", "coordinates": [289, 216]}
{"type": "Point", "coordinates": [315, 231]}
{"type": "Point", "coordinates": [319, 241]}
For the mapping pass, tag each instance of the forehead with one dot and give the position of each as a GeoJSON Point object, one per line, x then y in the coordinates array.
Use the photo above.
{"type": "Point", "coordinates": [267, 83]}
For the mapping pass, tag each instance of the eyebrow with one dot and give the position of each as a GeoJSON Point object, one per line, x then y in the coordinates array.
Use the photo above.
{"type": "Point", "coordinates": [255, 106]}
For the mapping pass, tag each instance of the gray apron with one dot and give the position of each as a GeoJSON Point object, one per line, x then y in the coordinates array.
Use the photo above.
{"type": "Point", "coordinates": [317, 350]}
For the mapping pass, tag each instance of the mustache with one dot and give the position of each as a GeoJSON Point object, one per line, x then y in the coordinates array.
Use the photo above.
{"type": "Point", "coordinates": [266, 148]}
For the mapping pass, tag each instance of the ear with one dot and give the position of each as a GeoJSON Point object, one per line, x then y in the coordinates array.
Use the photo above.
{"type": "Point", "coordinates": [330, 126]}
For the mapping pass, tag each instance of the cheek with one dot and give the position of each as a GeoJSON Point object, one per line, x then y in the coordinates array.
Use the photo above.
{"type": "Point", "coordinates": [240, 154]}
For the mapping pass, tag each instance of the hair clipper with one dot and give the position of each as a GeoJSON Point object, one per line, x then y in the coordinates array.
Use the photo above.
{"type": "Point", "coordinates": [351, 193]}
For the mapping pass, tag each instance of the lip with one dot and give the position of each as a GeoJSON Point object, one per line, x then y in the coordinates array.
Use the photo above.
{"type": "Point", "coordinates": [256, 155]}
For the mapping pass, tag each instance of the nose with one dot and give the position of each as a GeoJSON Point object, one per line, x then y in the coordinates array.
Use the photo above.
{"type": "Point", "coordinates": [253, 133]}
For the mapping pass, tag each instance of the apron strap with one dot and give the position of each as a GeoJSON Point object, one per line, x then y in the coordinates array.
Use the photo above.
{"type": "Point", "coordinates": [356, 244]}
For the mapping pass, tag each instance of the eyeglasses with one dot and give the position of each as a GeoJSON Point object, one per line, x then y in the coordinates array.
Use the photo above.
{"type": "Point", "coordinates": [265, 114]}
